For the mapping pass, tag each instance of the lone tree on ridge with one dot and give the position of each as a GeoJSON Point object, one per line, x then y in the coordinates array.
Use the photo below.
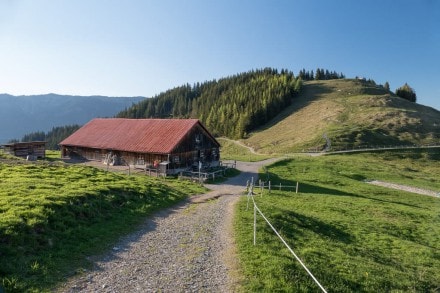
{"type": "Point", "coordinates": [406, 92]}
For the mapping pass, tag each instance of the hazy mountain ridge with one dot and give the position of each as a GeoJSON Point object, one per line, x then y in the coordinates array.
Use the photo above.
{"type": "Point", "coordinates": [20, 115]}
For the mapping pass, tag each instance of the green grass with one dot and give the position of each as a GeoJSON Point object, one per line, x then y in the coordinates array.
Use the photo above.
{"type": "Point", "coordinates": [234, 151]}
{"type": "Point", "coordinates": [352, 114]}
{"type": "Point", "coordinates": [229, 173]}
{"type": "Point", "coordinates": [354, 237]}
{"type": "Point", "coordinates": [52, 216]}
{"type": "Point", "coordinates": [52, 155]}
{"type": "Point", "coordinates": [4, 156]}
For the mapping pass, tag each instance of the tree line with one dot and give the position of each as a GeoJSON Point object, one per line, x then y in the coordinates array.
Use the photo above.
{"type": "Point", "coordinates": [319, 74]}
{"type": "Point", "coordinates": [52, 137]}
{"type": "Point", "coordinates": [405, 92]}
{"type": "Point", "coordinates": [231, 106]}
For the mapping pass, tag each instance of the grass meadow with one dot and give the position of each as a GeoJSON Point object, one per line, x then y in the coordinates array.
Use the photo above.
{"type": "Point", "coordinates": [52, 216]}
{"type": "Point", "coordinates": [353, 236]}
{"type": "Point", "coordinates": [232, 151]}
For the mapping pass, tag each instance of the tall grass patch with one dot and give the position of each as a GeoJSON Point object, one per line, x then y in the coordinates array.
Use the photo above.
{"type": "Point", "coordinates": [52, 216]}
{"type": "Point", "coordinates": [354, 237]}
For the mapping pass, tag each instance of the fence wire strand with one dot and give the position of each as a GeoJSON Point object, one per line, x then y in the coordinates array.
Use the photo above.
{"type": "Point", "coordinates": [285, 243]}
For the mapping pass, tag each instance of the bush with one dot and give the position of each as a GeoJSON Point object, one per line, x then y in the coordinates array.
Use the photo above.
{"type": "Point", "coordinates": [407, 93]}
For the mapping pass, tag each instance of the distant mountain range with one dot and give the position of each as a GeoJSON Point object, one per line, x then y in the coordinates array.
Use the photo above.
{"type": "Point", "coordinates": [20, 115]}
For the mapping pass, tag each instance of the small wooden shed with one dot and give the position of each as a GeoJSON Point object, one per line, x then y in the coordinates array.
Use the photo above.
{"type": "Point", "coordinates": [30, 150]}
{"type": "Point", "coordinates": [170, 144]}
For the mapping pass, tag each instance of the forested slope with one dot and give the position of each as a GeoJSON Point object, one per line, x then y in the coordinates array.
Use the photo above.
{"type": "Point", "coordinates": [231, 106]}
{"type": "Point", "coordinates": [52, 137]}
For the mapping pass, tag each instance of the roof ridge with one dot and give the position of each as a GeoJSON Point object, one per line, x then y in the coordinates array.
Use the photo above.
{"type": "Point", "coordinates": [129, 134]}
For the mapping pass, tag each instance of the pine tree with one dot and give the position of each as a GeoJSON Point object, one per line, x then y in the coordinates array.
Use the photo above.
{"type": "Point", "coordinates": [406, 92]}
{"type": "Point", "coordinates": [318, 74]}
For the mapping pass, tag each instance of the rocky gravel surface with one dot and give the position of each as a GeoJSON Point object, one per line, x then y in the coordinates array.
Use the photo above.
{"type": "Point", "coordinates": [177, 250]}
{"type": "Point", "coordinates": [186, 248]}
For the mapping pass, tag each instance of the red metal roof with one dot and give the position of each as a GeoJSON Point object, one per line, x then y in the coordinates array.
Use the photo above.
{"type": "Point", "coordinates": [158, 136]}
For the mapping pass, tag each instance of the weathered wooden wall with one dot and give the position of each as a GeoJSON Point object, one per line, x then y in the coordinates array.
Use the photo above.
{"type": "Point", "coordinates": [196, 146]}
{"type": "Point", "coordinates": [24, 149]}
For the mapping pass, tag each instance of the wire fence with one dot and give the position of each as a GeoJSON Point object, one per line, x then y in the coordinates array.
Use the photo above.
{"type": "Point", "coordinates": [257, 209]}
{"type": "Point", "coordinates": [271, 186]}
{"type": "Point", "coordinates": [367, 148]}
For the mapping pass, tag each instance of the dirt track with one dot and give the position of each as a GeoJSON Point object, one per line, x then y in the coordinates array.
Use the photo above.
{"type": "Point", "coordinates": [405, 188]}
{"type": "Point", "coordinates": [186, 248]}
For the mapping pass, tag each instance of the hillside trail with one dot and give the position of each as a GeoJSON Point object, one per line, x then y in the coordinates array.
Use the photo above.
{"type": "Point", "coordinates": [237, 142]}
{"type": "Point", "coordinates": [186, 248]}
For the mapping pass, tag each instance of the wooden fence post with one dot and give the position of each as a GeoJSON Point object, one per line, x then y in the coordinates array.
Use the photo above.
{"type": "Point", "coordinates": [269, 187]}
{"type": "Point", "coordinates": [297, 185]}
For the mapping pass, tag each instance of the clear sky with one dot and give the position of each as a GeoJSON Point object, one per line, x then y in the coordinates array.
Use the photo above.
{"type": "Point", "coordinates": [144, 47]}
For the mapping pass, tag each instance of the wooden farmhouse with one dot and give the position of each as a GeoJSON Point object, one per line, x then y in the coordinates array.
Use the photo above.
{"type": "Point", "coordinates": [29, 150]}
{"type": "Point", "coordinates": [174, 145]}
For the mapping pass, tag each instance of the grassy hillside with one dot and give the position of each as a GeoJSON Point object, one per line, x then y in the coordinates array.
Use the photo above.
{"type": "Point", "coordinates": [352, 113]}
{"type": "Point", "coordinates": [52, 216]}
{"type": "Point", "coordinates": [234, 150]}
{"type": "Point", "coordinates": [353, 236]}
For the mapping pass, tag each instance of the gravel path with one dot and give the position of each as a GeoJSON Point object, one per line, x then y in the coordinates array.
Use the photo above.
{"type": "Point", "coordinates": [186, 248]}
{"type": "Point", "coordinates": [405, 188]}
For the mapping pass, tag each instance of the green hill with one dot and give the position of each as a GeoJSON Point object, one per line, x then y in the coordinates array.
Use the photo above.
{"type": "Point", "coordinates": [278, 112]}
{"type": "Point", "coordinates": [351, 113]}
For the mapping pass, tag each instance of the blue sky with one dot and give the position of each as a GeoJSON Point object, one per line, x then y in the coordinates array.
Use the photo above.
{"type": "Point", "coordinates": [143, 47]}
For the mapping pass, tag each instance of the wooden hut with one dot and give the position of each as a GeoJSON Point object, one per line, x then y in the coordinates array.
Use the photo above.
{"type": "Point", "coordinates": [30, 150]}
{"type": "Point", "coordinates": [171, 145]}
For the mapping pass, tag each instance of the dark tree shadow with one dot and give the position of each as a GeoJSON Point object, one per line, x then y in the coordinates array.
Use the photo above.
{"type": "Point", "coordinates": [307, 188]}
{"type": "Point", "coordinates": [293, 225]}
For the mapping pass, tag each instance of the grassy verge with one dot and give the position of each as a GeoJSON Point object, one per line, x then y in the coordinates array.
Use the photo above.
{"type": "Point", "coordinates": [353, 236]}
{"type": "Point", "coordinates": [52, 155]}
{"type": "Point", "coordinates": [233, 151]}
{"type": "Point", "coordinates": [52, 216]}
{"type": "Point", "coordinates": [229, 173]}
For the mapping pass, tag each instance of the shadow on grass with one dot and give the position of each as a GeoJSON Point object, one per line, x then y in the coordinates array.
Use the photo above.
{"type": "Point", "coordinates": [293, 224]}
{"type": "Point", "coordinates": [316, 189]}
{"type": "Point", "coordinates": [307, 188]}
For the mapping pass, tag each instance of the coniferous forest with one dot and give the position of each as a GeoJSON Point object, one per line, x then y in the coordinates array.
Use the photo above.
{"type": "Point", "coordinates": [231, 106]}
{"type": "Point", "coordinates": [53, 137]}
